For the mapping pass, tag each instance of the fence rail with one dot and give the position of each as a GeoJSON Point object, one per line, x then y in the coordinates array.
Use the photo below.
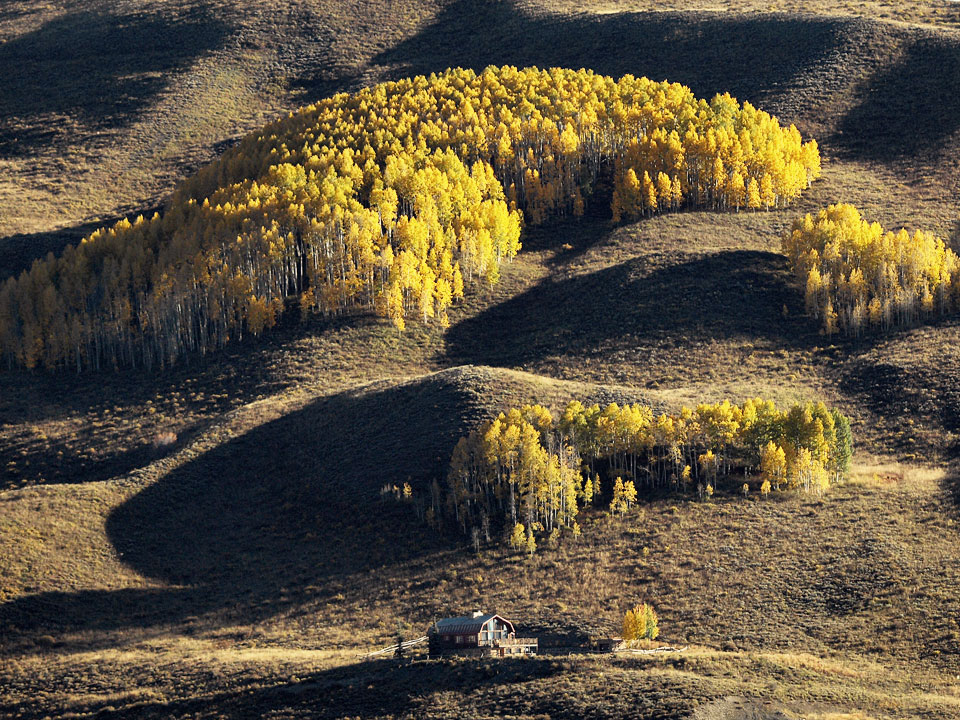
{"type": "Point", "coordinates": [651, 651]}
{"type": "Point", "coordinates": [393, 648]}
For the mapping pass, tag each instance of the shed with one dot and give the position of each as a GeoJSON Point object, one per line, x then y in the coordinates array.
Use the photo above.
{"type": "Point", "coordinates": [609, 645]}
{"type": "Point", "coordinates": [479, 634]}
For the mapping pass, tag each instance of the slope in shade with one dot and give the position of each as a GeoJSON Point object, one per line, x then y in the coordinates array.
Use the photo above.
{"type": "Point", "coordinates": [293, 503]}
{"type": "Point", "coordinates": [99, 68]}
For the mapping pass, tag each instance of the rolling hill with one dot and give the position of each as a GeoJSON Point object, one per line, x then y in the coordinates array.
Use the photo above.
{"type": "Point", "coordinates": [241, 566]}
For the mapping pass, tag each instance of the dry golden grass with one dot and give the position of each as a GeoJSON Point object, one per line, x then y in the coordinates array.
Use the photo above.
{"type": "Point", "coordinates": [832, 604]}
{"type": "Point", "coordinates": [934, 12]}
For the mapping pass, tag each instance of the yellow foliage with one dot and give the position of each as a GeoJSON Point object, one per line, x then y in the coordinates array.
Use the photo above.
{"type": "Point", "coordinates": [391, 198]}
{"type": "Point", "coordinates": [525, 467]}
{"type": "Point", "coordinates": [640, 623]}
{"type": "Point", "coordinates": [858, 275]}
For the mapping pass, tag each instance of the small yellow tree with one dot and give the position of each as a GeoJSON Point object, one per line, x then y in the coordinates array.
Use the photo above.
{"type": "Point", "coordinates": [624, 495]}
{"type": "Point", "coordinates": [773, 464]}
{"type": "Point", "coordinates": [640, 623]}
{"type": "Point", "coordinates": [708, 465]}
{"type": "Point", "coordinates": [649, 623]}
{"type": "Point", "coordinates": [588, 492]}
{"type": "Point", "coordinates": [518, 538]}
{"type": "Point", "coordinates": [629, 493]}
{"type": "Point", "coordinates": [631, 627]}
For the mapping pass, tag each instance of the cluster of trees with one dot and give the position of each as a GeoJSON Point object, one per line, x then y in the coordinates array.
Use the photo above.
{"type": "Point", "coordinates": [530, 473]}
{"type": "Point", "coordinates": [516, 472]}
{"type": "Point", "coordinates": [698, 446]}
{"type": "Point", "coordinates": [392, 199]}
{"type": "Point", "coordinates": [859, 276]}
{"type": "Point", "coordinates": [742, 158]}
{"type": "Point", "coordinates": [640, 623]}
{"type": "Point", "coordinates": [147, 292]}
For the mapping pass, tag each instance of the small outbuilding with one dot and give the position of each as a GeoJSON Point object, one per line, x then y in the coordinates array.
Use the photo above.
{"type": "Point", "coordinates": [609, 645]}
{"type": "Point", "coordinates": [478, 635]}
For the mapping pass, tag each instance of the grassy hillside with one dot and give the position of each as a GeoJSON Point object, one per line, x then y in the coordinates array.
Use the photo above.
{"type": "Point", "coordinates": [211, 562]}
{"type": "Point", "coordinates": [241, 568]}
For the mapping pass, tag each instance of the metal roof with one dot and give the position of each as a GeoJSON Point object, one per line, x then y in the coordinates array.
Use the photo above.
{"type": "Point", "coordinates": [465, 625]}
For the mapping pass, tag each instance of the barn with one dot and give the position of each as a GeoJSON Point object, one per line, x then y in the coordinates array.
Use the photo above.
{"type": "Point", "coordinates": [479, 635]}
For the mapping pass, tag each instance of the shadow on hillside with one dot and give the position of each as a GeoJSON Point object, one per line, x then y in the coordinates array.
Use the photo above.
{"type": "Point", "coordinates": [637, 304]}
{"type": "Point", "coordinates": [746, 55]}
{"type": "Point", "coordinates": [953, 239]}
{"type": "Point", "coordinates": [115, 434]}
{"type": "Point", "coordinates": [910, 109]}
{"type": "Point", "coordinates": [21, 250]}
{"type": "Point", "coordinates": [95, 610]}
{"type": "Point", "coordinates": [370, 690]}
{"type": "Point", "coordinates": [567, 239]}
{"type": "Point", "coordinates": [951, 483]}
{"type": "Point", "coordinates": [255, 524]}
{"type": "Point", "coordinates": [924, 390]}
{"type": "Point", "coordinates": [101, 68]}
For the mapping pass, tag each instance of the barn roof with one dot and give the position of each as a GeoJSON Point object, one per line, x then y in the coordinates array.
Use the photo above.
{"type": "Point", "coordinates": [465, 625]}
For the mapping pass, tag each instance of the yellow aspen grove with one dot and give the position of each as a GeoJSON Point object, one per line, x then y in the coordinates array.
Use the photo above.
{"type": "Point", "coordinates": [381, 199]}
{"type": "Point", "coordinates": [524, 470]}
{"type": "Point", "coordinates": [858, 275]}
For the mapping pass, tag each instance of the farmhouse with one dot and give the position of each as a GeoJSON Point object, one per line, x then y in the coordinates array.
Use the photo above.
{"type": "Point", "coordinates": [478, 635]}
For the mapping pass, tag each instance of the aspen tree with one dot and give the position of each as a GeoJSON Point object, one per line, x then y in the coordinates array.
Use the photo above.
{"type": "Point", "coordinates": [649, 194]}
{"type": "Point", "coordinates": [664, 191]}
{"type": "Point", "coordinates": [618, 503]}
{"type": "Point", "coordinates": [646, 622]}
{"type": "Point", "coordinates": [588, 492]}
{"type": "Point", "coordinates": [754, 201]}
{"type": "Point", "coordinates": [736, 190]}
{"type": "Point", "coordinates": [531, 542]}
{"type": "Point", "coordinates": [518, 538]}
{"type": "Point", "coordinates": [767, 195]}
{"type": "Point", "coordinates": [631, 628]}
